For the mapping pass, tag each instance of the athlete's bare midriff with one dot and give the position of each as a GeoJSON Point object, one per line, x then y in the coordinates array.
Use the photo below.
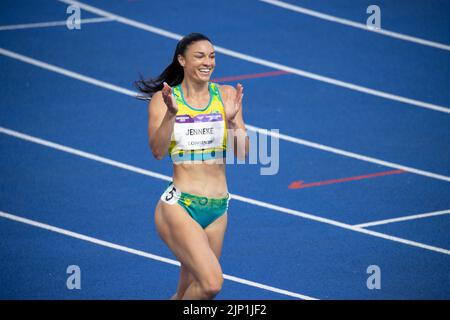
{"type": "Point", "coordinates": [205, 179]}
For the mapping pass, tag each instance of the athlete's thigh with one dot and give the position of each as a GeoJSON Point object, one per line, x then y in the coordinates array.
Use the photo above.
{"type": "Point", "coordinates": [187, 240]}
{"type": "Point", "coordinates": [216, 233]}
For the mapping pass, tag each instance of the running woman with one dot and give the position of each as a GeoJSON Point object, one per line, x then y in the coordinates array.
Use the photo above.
{"type": "Point", "coordinates": [188, 119]}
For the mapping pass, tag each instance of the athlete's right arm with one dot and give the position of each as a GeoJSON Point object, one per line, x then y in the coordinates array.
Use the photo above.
{"type": "Point", "coordinates": [162, 110]}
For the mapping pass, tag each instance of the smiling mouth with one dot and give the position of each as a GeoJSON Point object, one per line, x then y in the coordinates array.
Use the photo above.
{"type": "Point", "coordinates": [205, 71]}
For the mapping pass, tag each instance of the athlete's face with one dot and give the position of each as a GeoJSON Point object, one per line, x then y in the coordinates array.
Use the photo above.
{"type": "Point", "coordinates": [199, 60]}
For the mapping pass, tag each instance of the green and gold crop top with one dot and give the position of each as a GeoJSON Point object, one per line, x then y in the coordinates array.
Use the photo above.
{"type": "Point", "coordinates": [199, 134]}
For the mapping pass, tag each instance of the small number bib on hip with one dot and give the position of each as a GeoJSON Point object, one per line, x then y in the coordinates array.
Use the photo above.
{"type": "Point", "coordinates": [171, 195]}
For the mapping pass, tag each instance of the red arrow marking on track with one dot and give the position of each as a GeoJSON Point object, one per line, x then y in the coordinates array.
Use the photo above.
{"type": "Point", "coordinates": [301, 185]}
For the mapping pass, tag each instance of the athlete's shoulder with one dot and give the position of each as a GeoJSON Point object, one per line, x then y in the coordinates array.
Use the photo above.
{"type": "Point", "coordinates": [156, 97]}
{"type": "Point", "coordinates": [226, 91]}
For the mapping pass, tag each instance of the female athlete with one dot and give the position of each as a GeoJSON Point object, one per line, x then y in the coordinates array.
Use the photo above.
{"type": "Point", "coordinates": [194, 120]}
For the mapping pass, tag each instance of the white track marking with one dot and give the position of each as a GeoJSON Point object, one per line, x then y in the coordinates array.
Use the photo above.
{"type": "Point", "coordinates": [307, 143]}
{"type": "Point", "coordinates": [50, 24]}
{"type": "Point", "coordinates": [66, 72]}
{"type": "Point", "coordinates": [234, 196]}
{"type": "Point", "coordinates": [358, 25]}
{"type": "Point", "coordinates": [405, 218]}
{"type": "Point", "coordinates": [401, 240]}
{"type": "Point", "coordinates": [142, 253]}
{"type": "Point", "coordinates": [83, 154]}
{"type": "Point", "coordinates": [263, 62]}
{"type": "Point", "coordinates": [348, 154]}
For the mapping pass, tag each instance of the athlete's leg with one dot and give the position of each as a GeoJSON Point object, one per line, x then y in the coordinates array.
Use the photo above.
{"type": "Point", "coordinates": [215, 233]}
{"type": "Point", "coordinates": [189, 243]}
{"type": "Point", "coordinates": [186, 279]}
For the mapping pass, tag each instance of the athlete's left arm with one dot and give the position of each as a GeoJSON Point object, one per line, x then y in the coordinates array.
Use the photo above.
{"type": "Point", "coordinates": [235, 120]}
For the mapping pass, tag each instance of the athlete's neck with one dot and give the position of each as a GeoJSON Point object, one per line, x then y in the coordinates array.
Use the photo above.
{"type": "Point", "coordinates": [194, 90]}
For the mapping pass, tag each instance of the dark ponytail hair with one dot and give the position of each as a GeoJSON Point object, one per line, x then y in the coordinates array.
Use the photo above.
{"type": "Point", "coordinates": [173, 74]}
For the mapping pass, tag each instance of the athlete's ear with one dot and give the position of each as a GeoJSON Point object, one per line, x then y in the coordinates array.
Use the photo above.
{"type": "Point", "coordinates": [181, 60]}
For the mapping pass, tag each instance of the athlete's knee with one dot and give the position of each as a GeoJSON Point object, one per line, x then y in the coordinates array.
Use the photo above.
{"type": "Point", "coordinates": [212, 286]}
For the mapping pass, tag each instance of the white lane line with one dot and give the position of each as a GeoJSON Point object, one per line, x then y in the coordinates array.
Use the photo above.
{"type": "Point", "coordinates": [51, 24]}
{"type": "Point", "coordinates": [358, 25]}
{"type": "Point", "coordinates": [234, 196]}
{"type": "Point", "coordinates": [349, 154]}
{"type": "Point", "coordinates": [340, 224]}
{"type": "Point", "coordinates": [142, 253]}
{"type": "Point", "coordinates": [405, 218]}
{"type": "Point", "coordinates": [263, 62]}
{"type": "Point", "coordinates": [66, 72]}
{"type": "Point", "coordinates": [307, 143]}
{"type": "Point", "coordinates": [83, 154]}
{"type": "Point", "coordinates": [401, 240]}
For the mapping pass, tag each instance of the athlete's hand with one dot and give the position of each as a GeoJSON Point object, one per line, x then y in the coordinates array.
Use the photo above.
{"type": "Point", "coordinates": [169, 99]}
{"type": "Point", "coordinates": [234, 104]}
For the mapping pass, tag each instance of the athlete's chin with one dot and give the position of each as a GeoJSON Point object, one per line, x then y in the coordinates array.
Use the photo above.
{"type": "Point", "coordinates": [203, 77]}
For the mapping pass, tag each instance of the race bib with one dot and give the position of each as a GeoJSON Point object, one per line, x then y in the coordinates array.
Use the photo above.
{"type": "Point", "coordinates": [200, 132]}
{"type": "Point", "coordinates": [171, 195]}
